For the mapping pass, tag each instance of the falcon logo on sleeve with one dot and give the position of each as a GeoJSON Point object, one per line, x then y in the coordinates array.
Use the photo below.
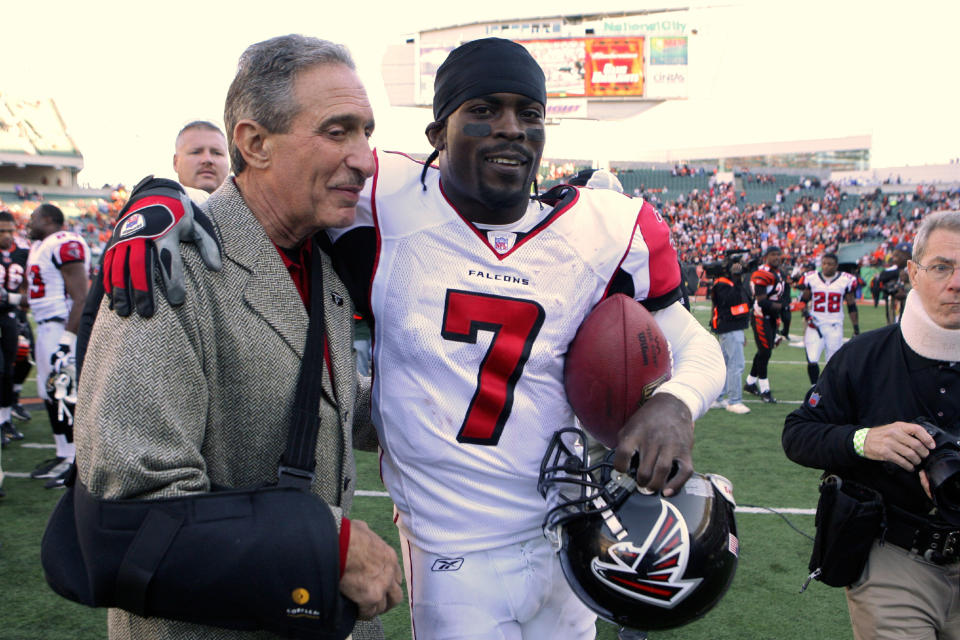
{"type": "Point", "coordinates": [71, 251]}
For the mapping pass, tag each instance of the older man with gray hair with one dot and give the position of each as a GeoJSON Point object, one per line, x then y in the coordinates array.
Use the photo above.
{"type": "Point", "coordinates": [215, 410]}
{"type": "Point", "coordinates": [880, 435]}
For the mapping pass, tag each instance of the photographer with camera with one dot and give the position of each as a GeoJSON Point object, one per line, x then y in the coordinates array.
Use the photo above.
{"type": "Point", "coordinates": [729, 320]}
{"type": "Point", "coordinates": [891, 455]}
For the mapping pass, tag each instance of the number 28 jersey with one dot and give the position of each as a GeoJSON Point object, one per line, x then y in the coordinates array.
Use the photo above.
{"type": "Point", "coordinates": [470, 332]}
{"type": "Point", "coordinates": [826, 296]}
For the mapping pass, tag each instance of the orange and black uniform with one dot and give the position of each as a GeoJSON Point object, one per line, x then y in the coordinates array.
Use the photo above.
{"type": "Point", "coordinates": [765, 317]}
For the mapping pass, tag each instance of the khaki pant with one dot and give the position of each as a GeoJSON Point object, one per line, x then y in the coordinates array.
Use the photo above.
{"type": "Point", "coordinates": [902, 596]}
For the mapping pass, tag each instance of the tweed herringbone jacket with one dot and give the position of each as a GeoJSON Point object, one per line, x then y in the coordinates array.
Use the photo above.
{"type": "Point", "coordinates": [203, 393]}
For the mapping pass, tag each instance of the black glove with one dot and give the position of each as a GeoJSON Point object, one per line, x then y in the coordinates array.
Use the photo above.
{"type": "Point", "coordinates": [156, 218]}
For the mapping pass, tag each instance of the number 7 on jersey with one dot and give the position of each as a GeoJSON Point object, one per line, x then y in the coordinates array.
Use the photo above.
{"type": "Point", "coordinates": [515, 324]}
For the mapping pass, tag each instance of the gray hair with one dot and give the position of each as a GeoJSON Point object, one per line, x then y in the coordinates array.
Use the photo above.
{"type": "Point", "coordinates": [948, 220]}
{"type": "Point", "coordinates": [262, 90]}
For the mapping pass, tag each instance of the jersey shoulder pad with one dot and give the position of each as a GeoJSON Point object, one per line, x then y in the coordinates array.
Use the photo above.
{"type": "Point", "coordinates": [763, 278]}
{"type": "Point", "coordinates": [664, 265]}
{"type": "Point", "coordinates": [71, 251]}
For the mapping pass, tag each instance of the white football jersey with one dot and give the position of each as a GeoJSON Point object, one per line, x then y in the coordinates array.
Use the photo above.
{"type": "Point", "coordinates": [46, 291]}
{"type": "Point", "coordinates": [826, 296]}
{"type": "Point", "coordinates": [471, 328]}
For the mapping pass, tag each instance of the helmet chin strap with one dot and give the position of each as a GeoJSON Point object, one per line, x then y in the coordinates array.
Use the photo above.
{"type": "Point", "coordinates": [618, 482]}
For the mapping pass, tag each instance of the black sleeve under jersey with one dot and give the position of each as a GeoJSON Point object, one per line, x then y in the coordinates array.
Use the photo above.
{"type": "Point", "coordinates": [353, 255]}
{"type": "Point", "coordinates": [623, 283]}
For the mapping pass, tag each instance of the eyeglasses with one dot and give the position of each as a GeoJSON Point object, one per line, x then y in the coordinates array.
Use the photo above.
{"type": "Point", "coordinates": [938, 271]}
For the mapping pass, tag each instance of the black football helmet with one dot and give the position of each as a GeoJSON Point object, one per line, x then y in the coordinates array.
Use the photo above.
{"type": "Point", "coordinates": [637, 559]}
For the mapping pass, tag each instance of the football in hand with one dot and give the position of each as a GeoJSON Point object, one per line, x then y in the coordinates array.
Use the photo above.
{"type": "Point", "coordinates": [616, 360]}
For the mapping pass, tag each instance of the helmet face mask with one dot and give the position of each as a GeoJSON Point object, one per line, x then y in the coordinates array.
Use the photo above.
{"type": "Point", "coordinates": [635, 558]}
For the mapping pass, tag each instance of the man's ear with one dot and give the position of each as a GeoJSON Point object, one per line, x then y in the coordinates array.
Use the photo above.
{"type": "Point", "coordinates": [254, 143]}
{"type": "Point", "coordinates": [437, 134]}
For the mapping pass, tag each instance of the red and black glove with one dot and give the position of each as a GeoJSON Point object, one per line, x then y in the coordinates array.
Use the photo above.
{"type": "Point", "coordinates": [158, 215]}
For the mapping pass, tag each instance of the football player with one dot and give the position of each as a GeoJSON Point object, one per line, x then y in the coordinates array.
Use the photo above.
{"type": "Point", "coordinates": [57, 271]}
{"type": "Point", "coordinates": [824, 292]}
{"type": "Point", "coordinates": [766, 285]}
{"type": "Point", "coordinates": [474, 301]}
{"type": "Point", "coordinates": [474, 291]}
{"type": "Point", "coordinates": [13, 262]}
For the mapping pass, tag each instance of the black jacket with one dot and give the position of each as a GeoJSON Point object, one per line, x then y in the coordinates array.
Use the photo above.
{"type": "Point", "coordinates": [873, 380]}
{"type": "Point", "coordinates": [731, 306]}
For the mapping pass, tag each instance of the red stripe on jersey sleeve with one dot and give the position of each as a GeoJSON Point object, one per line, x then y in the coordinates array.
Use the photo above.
{"type": "Point", "coordinates": [71, 251]}
{"type": "Point", "coordinates": [664, 266]}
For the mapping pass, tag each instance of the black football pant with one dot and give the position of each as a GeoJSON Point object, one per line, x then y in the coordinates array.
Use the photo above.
{"type": "Point", "coordinates": [764, 333]}
{"type": "Point", "coordinates": [8, 355]}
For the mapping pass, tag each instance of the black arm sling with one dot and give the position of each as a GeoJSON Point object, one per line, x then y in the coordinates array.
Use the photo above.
{"type": "Point", "coordinates": [256, 558]}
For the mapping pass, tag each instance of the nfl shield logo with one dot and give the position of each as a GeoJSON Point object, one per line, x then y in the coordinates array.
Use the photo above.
{"type": "Point", "coordinates": [814, 399]}
{"type": "Point", "coordinates": [501, 241]}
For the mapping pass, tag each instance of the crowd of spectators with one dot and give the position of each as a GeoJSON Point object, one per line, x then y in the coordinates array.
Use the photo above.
{"type": "Point", "coordinates": [706, 223]}
{"type": "Point", "coordinates": [91, 218]}
{"type": "Point", "coordinates": [801, 219]}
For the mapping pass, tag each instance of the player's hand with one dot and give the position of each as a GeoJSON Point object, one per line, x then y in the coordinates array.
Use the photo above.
{"type": "Point", "coordinates": [371, 576]}
{"type": "Point", "coordinates": [661, 431]}
{"type": "Point", "coordinates": [902, 443]}
{"type": "Point", "coordinates": [156, 218]}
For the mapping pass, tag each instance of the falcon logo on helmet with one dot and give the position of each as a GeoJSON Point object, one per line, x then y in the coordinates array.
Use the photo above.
{"type": "Point", "coordinates": [637, 559]}
{"type": "Point", "coordinates": [654, 572]}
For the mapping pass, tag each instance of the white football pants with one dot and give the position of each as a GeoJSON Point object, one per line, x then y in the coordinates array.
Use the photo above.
{"type": "Point", "coordinates": [832, 339]}
{"type": "Point", "coordinates": [516, 592]}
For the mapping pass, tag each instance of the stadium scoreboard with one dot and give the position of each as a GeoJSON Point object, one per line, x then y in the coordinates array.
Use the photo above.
{"type": "Point", "coordinates": [596, 67]}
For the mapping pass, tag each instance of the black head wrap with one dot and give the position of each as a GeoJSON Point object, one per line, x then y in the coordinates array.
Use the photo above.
{"type": "Point", "coordinates": [482, 67]}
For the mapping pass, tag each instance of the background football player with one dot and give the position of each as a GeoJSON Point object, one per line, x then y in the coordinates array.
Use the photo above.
{"type": "Point", "coordinates": [766, 285]}
{"type": "Point", "coordinates": [824, 293]}
{"type": "Point", "coordinates": [13, 262]}
{"type": "Point", "coordinates": [57, 271]}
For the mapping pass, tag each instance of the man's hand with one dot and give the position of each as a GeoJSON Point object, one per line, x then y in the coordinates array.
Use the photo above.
{"type": "Point", "coordinates": [662, 432]}
{"type": "Point", "coordinates": [371, 577]}
{"type": "Point", "coordinates": [902, 443]}
{"type": "Point", "coordinates": [925, 483]}
{"type": "Point", "coordinates": [156, 218]}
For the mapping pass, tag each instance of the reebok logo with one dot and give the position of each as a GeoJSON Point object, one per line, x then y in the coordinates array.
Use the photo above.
{"type": "Point", "coordinates": [447, 564]}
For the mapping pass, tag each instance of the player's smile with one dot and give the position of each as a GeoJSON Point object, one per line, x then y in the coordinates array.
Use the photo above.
{"type": "Point", "coordinates": [511, 162]}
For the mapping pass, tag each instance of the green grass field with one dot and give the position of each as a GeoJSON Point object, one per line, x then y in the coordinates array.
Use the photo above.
{"type": "Point", "coordinates": [762, 604]}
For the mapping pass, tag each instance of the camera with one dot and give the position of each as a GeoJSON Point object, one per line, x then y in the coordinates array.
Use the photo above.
{"type": "Point", "coordinates": [942, 465]}
{"type": "Point", "coordinates": [720, 268]}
